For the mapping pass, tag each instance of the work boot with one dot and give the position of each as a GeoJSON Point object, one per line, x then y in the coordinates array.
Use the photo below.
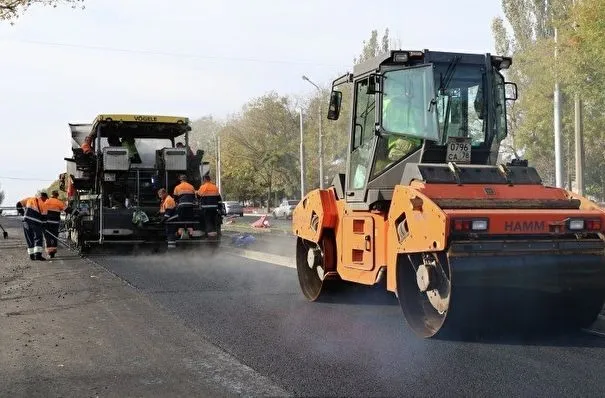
{"type": "Point", "coordinates": [32, 256]}
{"type": "Point", "coordinates": [39, 257]}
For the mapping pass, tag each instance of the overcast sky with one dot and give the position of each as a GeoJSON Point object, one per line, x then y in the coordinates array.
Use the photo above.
{"type": "Point", "coordinates": [189, 58]}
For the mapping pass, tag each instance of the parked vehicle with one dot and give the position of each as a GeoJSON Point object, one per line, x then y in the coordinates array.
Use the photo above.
{"type": "Point", "coordinates": [233, 207]}
{"type": "Point", "coordinates": [285, 209]}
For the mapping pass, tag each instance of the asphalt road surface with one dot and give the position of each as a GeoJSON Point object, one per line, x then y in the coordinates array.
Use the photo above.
{"type": "Point", "coordinates": [357, 344]}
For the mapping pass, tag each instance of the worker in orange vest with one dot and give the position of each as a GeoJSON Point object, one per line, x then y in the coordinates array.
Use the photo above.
{"type": "Point", "coordinates": [169, 216]}
{"type": "Point", "coordinates": [184, 194]}
{"type": "Point", "coordinates": [54, 207]}
{"type": "Point", "coordinates": [87, 145]}
{"type": "Point", "coordinates": [210, 203]}
{"type": "Point", "coordinates": [34, 218]}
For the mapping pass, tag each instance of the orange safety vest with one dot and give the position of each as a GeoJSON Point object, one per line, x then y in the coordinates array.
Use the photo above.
{"type": "Point", "coordinates": [23, 202]}
{"type": "Point", "coordinates": [208, 189]}
{"type": "Point", "coordinates": [167, 208]}
{"type": "Point", "coordinates": [185, 193]}
{"type": "Point", "coordinates": [86, 148]}
{"type": "Point", "coordinates": [54, 207]}
{"type": "Point", "coordinates": [35, 210]}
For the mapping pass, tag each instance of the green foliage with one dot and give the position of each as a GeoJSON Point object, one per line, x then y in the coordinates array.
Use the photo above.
{"type": "Point", "coordinates": [259, 150]}
{"type": "Point", "coordinates": [55, 186]}
{"type": "Point", "coordinates": [578, 68]}
{"type": "Point", "coordinates": [530, 43]}
{"type": "Point", "coordinates": [10, 10]}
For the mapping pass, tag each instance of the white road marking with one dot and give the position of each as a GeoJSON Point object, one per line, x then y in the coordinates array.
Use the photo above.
{"type": "Point", "coordinates": [275, 259]}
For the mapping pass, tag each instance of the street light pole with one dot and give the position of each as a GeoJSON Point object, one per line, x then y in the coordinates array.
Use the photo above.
{"type": "Point", "coordinates": [302, 157]}
{"type": "Point", "coordinates": [579, 136]}
{"type": "Point", "coordinates": [557, 125]}
{"type": "Point", "coordinates": [579, 140]}
{"type": "Point", "coordinates": [218, 163]}
{"type": "Point", "coordinates": [320, 140]}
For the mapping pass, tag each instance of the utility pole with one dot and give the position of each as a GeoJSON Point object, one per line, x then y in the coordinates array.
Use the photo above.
{"type": "Point", "coordinates": [320, 140]}
{"type": "Point", "coordinates": [302, 156]}
{"type": "Point", "coordinates": [579, 137]}
{"type": "Point", "coordinates": [557, 125]}
{"type": "Point", "coordinates": [579, 140]}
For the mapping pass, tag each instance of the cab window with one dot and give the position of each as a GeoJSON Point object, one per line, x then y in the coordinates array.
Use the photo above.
{"type": "Point", "coordinates": [363, 136]}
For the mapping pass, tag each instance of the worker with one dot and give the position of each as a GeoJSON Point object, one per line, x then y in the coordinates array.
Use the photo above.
{"type": "Point", "coordinates": [169, 216]}
{"type": "Point", "coordinates": [210, 203]}
{"type": "Point", "coordinates": [34, 217]}
{"type": "Point", "coordinates": [184, 194]}
{"type": "Point", "coordinates": [402, 115]}
{"type": "Point", "coordinates": [190, 154]}
{"type": "Point", "coordinates": [129, 143]}
{"type": "Point", "coordinates": [54, 207]}
{"type": "Point", "coordinates": [87, 145]}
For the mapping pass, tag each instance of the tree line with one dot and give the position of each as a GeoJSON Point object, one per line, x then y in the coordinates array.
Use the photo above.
{"type": "Point", "coordinates": [527, 33]}
{"type": "Point", "coordinates": [259, 144]}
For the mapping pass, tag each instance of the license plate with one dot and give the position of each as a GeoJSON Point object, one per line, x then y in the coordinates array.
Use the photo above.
{"type": "Point", "coordinates": [458, 150]}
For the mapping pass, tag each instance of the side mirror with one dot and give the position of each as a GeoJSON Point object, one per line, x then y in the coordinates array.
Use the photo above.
{"type": "Point", "coordinates": [335, 103]}
{"type": "Point", "coordinates": [510, 90]}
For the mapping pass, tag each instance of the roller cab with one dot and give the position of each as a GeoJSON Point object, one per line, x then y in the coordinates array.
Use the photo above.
{"type": "Point", "coordinates": [425, 205]}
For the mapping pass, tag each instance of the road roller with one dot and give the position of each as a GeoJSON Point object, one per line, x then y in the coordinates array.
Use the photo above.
{"type": "Point", "coordinates": [427, 209]}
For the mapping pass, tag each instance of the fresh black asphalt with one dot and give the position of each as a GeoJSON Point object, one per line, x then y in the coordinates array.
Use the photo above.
{"type": "Point", "coordinates": [355, 344]}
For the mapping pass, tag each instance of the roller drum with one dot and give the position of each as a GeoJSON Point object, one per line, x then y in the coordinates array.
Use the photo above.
{"type": "Point", "coordinates": [472, 288]}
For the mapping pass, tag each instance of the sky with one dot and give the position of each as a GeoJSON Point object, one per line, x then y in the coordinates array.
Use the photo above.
{"type": "Point", "coordinates": [189, 58]}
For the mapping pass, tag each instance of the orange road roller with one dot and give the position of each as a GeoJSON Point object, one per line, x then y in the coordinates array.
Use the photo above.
{"type": "Point", "coordinates": [424, 203]}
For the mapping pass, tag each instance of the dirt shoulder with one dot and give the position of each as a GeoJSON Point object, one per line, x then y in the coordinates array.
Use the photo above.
{"type": "Point", "coordinates": [70, 328]}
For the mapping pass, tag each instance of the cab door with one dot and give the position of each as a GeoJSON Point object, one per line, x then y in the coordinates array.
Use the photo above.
{"type": "Point", "coordinates": [358, 226]}
{"type": "Point", "coordinates": [363, 138]}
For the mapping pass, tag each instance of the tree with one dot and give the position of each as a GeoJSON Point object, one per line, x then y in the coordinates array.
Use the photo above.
{"type": "Point", "coordinates": [372, 47]}
{"type": "Point", "coordinates": [583, 48]}
{"type": "Point", "coordinates": [11, 9]}
{"type": "Point", "coordinates": [259, 149]}
{"type": "Point", "coordinates": [530, 42]}
{"type": "Point", "coordinates": [56, 186]}
{"type": "Point", "coordinates": [203, 135]}
{"type": "Point", "coordinates": [1, 196]}
{"type": "Point", "coordinates": [579, 70]}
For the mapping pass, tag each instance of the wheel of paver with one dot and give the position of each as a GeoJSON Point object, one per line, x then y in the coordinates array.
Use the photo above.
{"type": "Point", "coordinates": [313, 263]}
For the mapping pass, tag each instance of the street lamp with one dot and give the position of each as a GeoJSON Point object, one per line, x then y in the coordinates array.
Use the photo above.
{"type": "Point", "coordinates": [302, 157]}
{"type": "Point", "coordinates": [321, 143]}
